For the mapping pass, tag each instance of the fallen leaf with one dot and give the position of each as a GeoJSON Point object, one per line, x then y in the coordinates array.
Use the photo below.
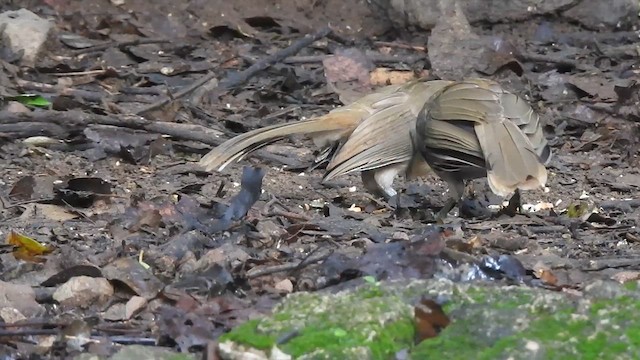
{"type": "Point", "coordinates": [27, 248]}
{"type": "Point", "coordinates": [547, 276]}
{"type": "Point", "coordinates": [429, 319]}
{"type": "Point", "coordinates": [385, 76]}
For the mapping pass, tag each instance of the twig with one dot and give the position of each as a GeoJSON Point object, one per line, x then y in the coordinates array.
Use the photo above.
{"type": "Point", "coordinates": [620, 204]}
{"type": "Point", "coordinates": [125, 340]}
{"type": "Point", "coordinates": [287, 267]}
{"type": "Point", "coordinates": [130, 340]}
{"type": "Point", "coordinates": [590, 38]}
{"type": "Point", "coordinates": [399, 45]}
{"type": "Point", "coordinates": [83, 215]}
{"type": "Point", "coordinates": [183, 92]}
{"type": "Point", "coordinates": [383, 204]}
{"type": "Point", "coordinates": [29, 332]}
{"type": "Point", "coordinates": [48, 88]}
{"type": "Point", "coordinates": [289, 215]}
{"type": "Point", "coordinates": [60, 123]}
{"type": "Point", "coordinates": [546, 229]}
{"type": "Point", "coordinates": [376, 58]}
{"type": "Point", "coordinates": [631, 50]}
{"type": "Point", "coordinates": [92, 96]}
{"type": "Point", "coordinates": [241, 77]}
{"type": "Point", "coordinates": [281, 112]}
{"type": "Point", "coordinates": [119, 44]}
{"type": "Point", "coordinates": [82, 73]}
{"type": "Point", "coordinates": [555, 60]}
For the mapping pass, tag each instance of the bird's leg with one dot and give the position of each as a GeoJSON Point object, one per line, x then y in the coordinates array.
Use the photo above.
{"type": "Point", "coordinates": [448, 206]}
{"type": "Point", "coordinates": [370, 184]}
{"type": "Point", "coordinates": [456, 188]}
{"type": "Point", "coordinates": [380, 181]}
{"type": "Point", "coordinates": [518, 200]}
{"type": "Point", "coordinates": [514, 206]}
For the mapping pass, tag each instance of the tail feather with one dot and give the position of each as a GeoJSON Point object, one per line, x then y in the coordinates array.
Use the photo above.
{"type": "Point", "coordinates": [520, 113]}
{"type": "Point", "coordinates": [511, 160]}
{"type": "Point", "coordinates": [325, 128]}
{"type": "Point", "coordinates": [383, 138]}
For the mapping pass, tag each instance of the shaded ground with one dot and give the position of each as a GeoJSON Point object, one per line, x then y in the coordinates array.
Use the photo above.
{"type": "Point", "coordinates": [583, 83]}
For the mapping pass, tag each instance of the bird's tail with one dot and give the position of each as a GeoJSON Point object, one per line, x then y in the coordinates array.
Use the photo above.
{"type": "Point", "coordinates": [511, 159]}
{"type": "Point", "coordinates": [322, 128]}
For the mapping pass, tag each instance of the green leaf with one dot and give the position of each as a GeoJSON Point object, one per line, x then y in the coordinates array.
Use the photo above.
{"type": "Point", "coordinates": [31, 100]}
{"type": "Point", "coordinates": [338, 332]}
{"type": "Point", "coordinates": [369, 279]}
{"type": "Point", "coordinates": [576, 210]}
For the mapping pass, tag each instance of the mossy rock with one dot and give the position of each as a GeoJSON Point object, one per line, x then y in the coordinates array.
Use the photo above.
{"type": "Point", "coordinates": [488, 321]}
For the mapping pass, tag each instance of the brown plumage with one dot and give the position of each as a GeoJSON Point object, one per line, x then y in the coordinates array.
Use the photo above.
{"type": "Point", "coordinates": [474, 128]}
{"type": "Point", "coordinates": [373, 135]}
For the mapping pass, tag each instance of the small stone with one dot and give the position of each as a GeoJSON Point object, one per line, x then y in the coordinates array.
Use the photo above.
{"type": "Point", "coordinates": [16, 107]}
{"type": "Point", "coordinates": [626, 276]}
{"type": "Point", "coordinates": [83, 291]}
{"type": "Point", "coordinates": [134, 306]}
{"type": "Point", "coordinates": [11, 315]}
{"type": "Point", "coordinates": [25, 31]}
{"type": "Point", "coordinates": [270, 229]}
{"type": "Point", "coordinates": [285, 286]}
{"type": "Point", "coordinates": [116, 312]}
{"type": "Point", "coordinates": [125, 311]}
{"type": "Point", "coordinates": [400, 236]}
{"type": "Point", "coordinates": [20, 297]}
{"type": "Point", "coordinates": [532, 346]}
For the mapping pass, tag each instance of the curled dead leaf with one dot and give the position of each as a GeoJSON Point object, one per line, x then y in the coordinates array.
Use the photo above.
{"type": "Point", "coordinates": [26, 248]}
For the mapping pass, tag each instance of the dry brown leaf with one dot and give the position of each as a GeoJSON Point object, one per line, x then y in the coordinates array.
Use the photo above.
{"type": "Point", "coordinates": [385, 76]}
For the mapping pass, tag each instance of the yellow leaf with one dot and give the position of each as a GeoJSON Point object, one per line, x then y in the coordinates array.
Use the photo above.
{"type": "Point", "coordinates": [26, 248]}
{"type": "Point", "coordinates": [577, 210]}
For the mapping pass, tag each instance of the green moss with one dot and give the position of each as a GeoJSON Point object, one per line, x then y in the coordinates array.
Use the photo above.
{"type": "Point", "coordinates": [449, 344]}
{"type": "Point", "coordinates": [282, 317]}
{"type": "Point", "coordinates": [392, 339]}
{"type": "Point", "coordinates": [560, 333]}
{"type": "Point", "coordinates": [594, 347]}
{"type": "Point", "coordinates": [334, 325]}
{"type": "Point", "coordinates": [631, 285]}
{"type": "Point", "coordinates": [180, 357]}
{"type": "Point", "coordinates": [633, 335]}
{"type": "Point", "coordinates": [247, 334]}
{"type": "Point", "coordinates": [488, 322]}
{"type": "Point", "coordinates": [382, 341]}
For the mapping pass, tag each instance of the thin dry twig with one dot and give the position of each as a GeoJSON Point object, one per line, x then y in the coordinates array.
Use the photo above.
{"type": "Point", "coordinates": [92, 96]}
{"type": "Point", "coordinates": [241, 77]}
{"type": "Point", "coordinates": [60, 123]}
{"type": "Point", "coordinates": [254, 273]}
{"type": "Point", "coordinates": [289, 215]}
{"type": "Point", "coordinates": [118, 44]}
{"type": "Point", "coordinates": [556, 60]}
{"type": "Point", "coordinates": [400, 45]}
{"type": "Point", "coordinates": [183, 92]}
{"type": "Point", "coordinates": [376, 58]}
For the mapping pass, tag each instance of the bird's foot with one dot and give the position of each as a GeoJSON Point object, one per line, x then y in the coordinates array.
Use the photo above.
{"type": "Point", "coordinates": [448, 206]}
{"type": "Point", "coordinates": [514, 207]}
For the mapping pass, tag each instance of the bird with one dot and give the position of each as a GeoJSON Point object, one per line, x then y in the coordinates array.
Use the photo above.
{"type": "Point", "coordinates": [474, 128]}
{"type": "Point", "coordinates": [372, 136]}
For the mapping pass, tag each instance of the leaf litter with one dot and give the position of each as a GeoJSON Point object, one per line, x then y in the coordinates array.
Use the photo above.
{"type": "Point", "coordinates": [148, 250]}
